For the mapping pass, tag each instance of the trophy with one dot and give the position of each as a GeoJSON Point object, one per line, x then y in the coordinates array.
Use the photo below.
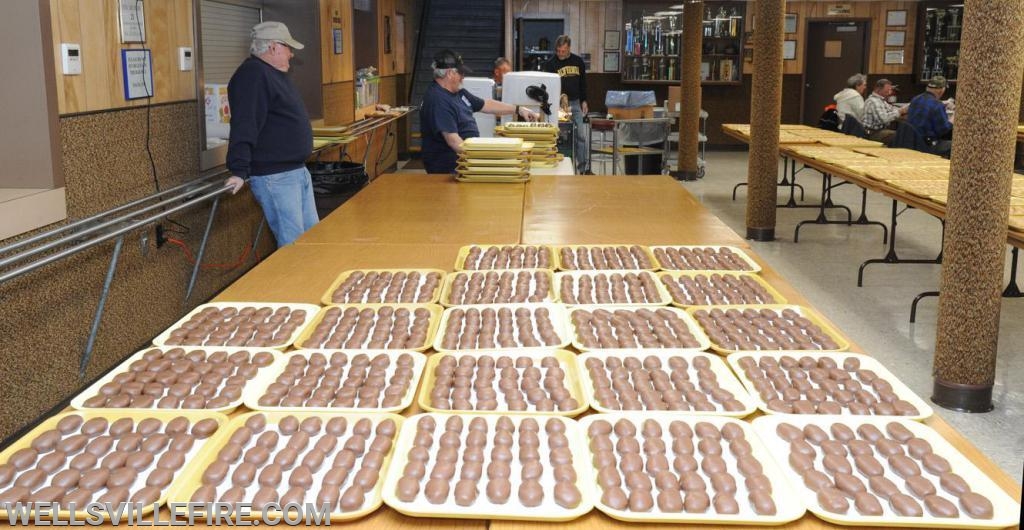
{"type": "Point", "coordinates": [954, 24]}
{"type": "Point", "coordinates": [940, 21]}
{"type": "Point", "coordinates": [925, 70]}
{"type": "Point", "coordinates": [629, 38]}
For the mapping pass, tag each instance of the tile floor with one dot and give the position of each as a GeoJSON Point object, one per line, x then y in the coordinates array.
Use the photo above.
{"type": "Point", "coordinates": [823, 266]}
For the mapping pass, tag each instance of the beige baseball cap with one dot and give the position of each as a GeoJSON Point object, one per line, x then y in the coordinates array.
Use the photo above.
{"type": "Point", "coordinates": [277, 32]}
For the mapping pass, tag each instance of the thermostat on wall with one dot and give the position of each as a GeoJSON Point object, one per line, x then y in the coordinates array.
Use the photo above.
{"type": "Point", "coordinates": [185, 59]}
{"type": "Point", "coordinates": [71, 58]}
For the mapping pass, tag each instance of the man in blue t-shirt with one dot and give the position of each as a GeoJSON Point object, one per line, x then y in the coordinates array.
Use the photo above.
{"type": "Point", "coordinates": [446, 115]}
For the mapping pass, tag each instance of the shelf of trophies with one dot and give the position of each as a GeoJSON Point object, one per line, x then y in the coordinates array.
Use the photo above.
{"type": "Point", "coordinates": [652, 44]}
{"type": "Point", "coordinates": [939, 45]}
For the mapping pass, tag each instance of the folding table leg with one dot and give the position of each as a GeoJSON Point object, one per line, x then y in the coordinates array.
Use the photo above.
{"type": "Point", "coordinates": [891, 256]}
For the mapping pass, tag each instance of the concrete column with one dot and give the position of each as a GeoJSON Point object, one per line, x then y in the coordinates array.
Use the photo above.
{"type": "Point", "coordinates": [765, 114]}
{"type": "Point", "coordinates": [690, 91]}
{"type": "Point", "coordinates": [991, 69]}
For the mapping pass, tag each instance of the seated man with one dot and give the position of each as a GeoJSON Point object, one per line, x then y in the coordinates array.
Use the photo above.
{"type": "Point", "coordinates": [879, 114]}
{"type": "Point", "coordinates": [927, 113]}
{"type": "Point", "coordinates": [850, 100]}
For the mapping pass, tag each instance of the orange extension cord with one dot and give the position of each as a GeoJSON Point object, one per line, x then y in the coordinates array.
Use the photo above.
{"type": "Point", "coordinates": [225, 266]}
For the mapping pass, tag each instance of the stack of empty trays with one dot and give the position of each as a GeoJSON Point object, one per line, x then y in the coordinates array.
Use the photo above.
{"type": "Point", "coordinates": [494, 160]}
{"type": "Point", "coordinates": [543, 136]}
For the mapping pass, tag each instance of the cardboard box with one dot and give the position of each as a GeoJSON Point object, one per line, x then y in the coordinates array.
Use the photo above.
{"type": "Point", "coordinates": [675, 96]}
{"type": "Point", "coordinates": [621, 113]}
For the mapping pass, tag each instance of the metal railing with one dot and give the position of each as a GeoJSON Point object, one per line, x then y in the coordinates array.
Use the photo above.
{"type": "Point", "coordinates": [26, 255]}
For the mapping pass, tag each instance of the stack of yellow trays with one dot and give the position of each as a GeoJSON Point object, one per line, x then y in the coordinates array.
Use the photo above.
{"type": "Point", "coordinates": [494, 160]}
{"type": "Point", "coordinates": [543, 136]}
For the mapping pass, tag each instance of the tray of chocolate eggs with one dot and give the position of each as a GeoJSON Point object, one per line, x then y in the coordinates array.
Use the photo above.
{"type": "Point", "coordinates": [240, 324]}
{"type": "Point", "coordinates": [337, 381]}
{"type": "Point", "coordinates": [481, 466]}
{"type": "Point", "coordinates": [774, 327]}
{"type": "Point", "coordinates": [694, 383]}
{"type": "Point", "coordinates": [502, 326]}
{"type": "Point", "coordinates": [498, 287]}
{"type": "Point", "coordinates": [178, 378]}
{"type": "Point", "coordinates": [372, 327]}
{"type": "Point", "coordinates": [615, 327]}
{"type": "Point", "coordinates": [825, 383]}
{"type": "Point", "coordinates": [385, 286]}
{"type": "Point", "coordinates": [605, 257]}
{"type": "Point", "coordinates": [502, 382]}
{"type": "Point", "coordinates": [703, 258]}
{"type": "Point", "coordinates": [620, 288]}
{"type": "Point", "coordinates": [883, 472]}
{"type": "Point", "coordinates": [283, 458]}
{"type": "Point", "coordinates": [496, 257]}
{"type": "Point", "coordinates": [677, 468]}
{"type": "Point", "coordinates": [699, 288]}
{"type": "Point", "coordinates": [108, 456]}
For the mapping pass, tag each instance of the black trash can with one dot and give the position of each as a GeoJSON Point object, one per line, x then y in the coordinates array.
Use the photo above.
{"type": "Point", "coordinates": [335, 182]}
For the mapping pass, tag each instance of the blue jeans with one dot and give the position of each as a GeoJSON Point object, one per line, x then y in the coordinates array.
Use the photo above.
{"type": "Point", "coordinates": [287, 202]}
{"type": "Point", "coordinates": [582, 149]}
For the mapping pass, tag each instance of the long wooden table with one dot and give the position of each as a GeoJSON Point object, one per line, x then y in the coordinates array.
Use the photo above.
{"type": "Point", "coordinates": [576, 209]}
{"type": "Point", "coordinates": [929, 206]}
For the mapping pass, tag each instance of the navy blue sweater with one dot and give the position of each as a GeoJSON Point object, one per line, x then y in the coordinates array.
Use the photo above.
{"type": "Point", "coordinates": [270, 129]}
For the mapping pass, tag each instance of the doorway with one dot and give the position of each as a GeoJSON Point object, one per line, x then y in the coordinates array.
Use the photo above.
{"type": "Point", "coordinates": [835, 51]}
{"type": "Point", "coordinates": [534, 41]}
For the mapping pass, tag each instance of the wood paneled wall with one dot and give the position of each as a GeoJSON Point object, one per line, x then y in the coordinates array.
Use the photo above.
{"type": "Point", "coordinates": [585, 22]}
{"type": "Point", "coordinates": [386, 14]}
{"type": "Point", "coordinates": [875, 11]}
{"type": "Point", "coordinates": [94, 25]}
{"type": "Point", "coordinates": [335, 14]}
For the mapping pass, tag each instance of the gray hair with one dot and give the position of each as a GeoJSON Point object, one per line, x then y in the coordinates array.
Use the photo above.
{"type": "Point", "coordinates": [562, 40]}
{"type": "Point", "coordinates": [501, 61]}
{"type": "Point", "coordinates": [856, 80]}
{"type": "Point", "coordinates": [260, 46]}
{"type": "Point", "coordinates": [440, 72]}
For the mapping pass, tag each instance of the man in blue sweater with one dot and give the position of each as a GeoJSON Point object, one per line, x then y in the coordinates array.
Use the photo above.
{"type": "Point", "coordinates": [271, 136]}
{"type": "Point", "coordinates": [929, 115]}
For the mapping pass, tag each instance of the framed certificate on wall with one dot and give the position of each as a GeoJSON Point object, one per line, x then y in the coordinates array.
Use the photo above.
{"type": "Point", "coordinates": [896, 19]}
{"type": "Point", "coordinates": [789, 50]}
{"type": "Point", "coordinates": [611, 61]}
{"type": "Point", "coordinates": [893, 57]}
{"type": "Point", "coordinates": [895, 38]}
{"type": "Point", "coordinates": [611, 39]}
{"type": "Point", "coordinates": [791, 20]}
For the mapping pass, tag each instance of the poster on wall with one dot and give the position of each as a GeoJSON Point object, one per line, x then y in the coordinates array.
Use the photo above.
{"type": "Point", "coordinates": [132, 20]}
{"type": "Point", "coordinates": [137, 71]}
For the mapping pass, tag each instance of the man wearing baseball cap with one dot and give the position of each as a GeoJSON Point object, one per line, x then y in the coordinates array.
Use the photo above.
{"type": "Point", "coordinates": [446, 114]}
{"type": "Point", "coordinates": [927, 113]}
{"type": "Point", "coordinates": [879, 114]}
{"type": "Point", "coordinates": [271, 136]}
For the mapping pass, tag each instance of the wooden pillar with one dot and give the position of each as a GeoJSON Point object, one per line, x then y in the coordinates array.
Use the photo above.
{"type": "Point", "coordinates": [765, 113]}
{"type": "Point", "coordinates": [991, 69]}
{"type": "Point", "coordinates": [690, 91]}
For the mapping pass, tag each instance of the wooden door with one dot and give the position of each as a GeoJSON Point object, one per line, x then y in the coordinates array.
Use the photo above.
{"type": "Point", "coordinates": [835, 51]}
